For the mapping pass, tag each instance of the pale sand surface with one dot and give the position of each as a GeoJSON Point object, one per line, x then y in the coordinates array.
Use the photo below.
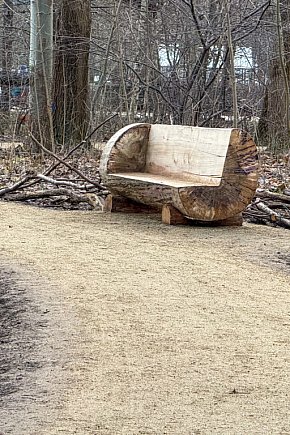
{"type": "Point", "coordinates": [118, 324]}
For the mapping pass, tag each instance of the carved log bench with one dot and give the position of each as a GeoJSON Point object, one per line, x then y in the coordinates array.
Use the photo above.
{"type": "Point", "coordinates": [202, 174]}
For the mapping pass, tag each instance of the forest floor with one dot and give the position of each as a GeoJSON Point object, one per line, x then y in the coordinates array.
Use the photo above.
{"type": "Point", "coordinates": [118, 324]}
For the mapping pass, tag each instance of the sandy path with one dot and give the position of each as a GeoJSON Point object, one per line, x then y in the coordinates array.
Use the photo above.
{"type": "Point", "coordinates": [132, 327]}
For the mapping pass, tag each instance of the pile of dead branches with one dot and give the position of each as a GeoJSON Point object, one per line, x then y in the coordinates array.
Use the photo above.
{"type": "Point", "coordinates": [269, 208]}
{"type": "Point", "coordinates": [271, 205]}
{"type": "Point", "coordinates": [69, 181]}
{"type": "Point", "coordinates": [52, 180]}
{"type": "Point", "coordinates": [68, 193]}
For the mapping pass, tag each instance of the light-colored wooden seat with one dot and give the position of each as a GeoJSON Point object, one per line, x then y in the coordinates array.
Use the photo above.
{"type": "Point", "coordinates": [166, 180]}
{"type": "Point", "coordinates": [205, 173]}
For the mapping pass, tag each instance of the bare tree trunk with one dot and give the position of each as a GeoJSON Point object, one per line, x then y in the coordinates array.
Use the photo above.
{"type": "Point", "coordinates": [232, 65]}
{"type": "Point", "coordinates": [71, 78]}
{"type": "Point", "coordinates": [282, 41]}
{"type": "Point", "coordinates": [41, 51]}
{"type": "Point", "coordinates": [7, 46]}
{"type": "Point", "coordinates": [7, 35]}
{"type": "Point", "coordinates": [274, 128]}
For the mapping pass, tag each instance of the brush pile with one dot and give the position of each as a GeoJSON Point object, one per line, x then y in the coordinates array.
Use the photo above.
{"type": "Point", "coordinates": [64, 182]}
{"type": "Point", "coordinates": [271, 205]}
{"type": "Point", "coordinates": [72, 182]}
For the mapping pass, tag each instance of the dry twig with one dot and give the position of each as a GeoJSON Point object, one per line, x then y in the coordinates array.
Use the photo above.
{"type": "Point", "coordinates": [17, 185]}
{"type": "Point", "coordinates": [68, 165]}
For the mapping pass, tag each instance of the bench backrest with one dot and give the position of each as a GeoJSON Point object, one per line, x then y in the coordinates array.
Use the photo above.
{"type": "Point", "coordinates": [187, 152]}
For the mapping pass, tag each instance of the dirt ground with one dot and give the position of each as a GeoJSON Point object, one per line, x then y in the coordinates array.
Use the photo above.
{"type": "Point", "coordinates": [118, 324]}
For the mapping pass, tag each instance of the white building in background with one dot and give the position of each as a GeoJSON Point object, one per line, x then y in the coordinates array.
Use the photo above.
{"type": "Point", "coordinates": [244, 62]}
{"type": "Point", "coordinates": [244, 58]}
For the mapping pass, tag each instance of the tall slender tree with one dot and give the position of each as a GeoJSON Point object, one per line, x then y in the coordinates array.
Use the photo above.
{"type": "Point", "coordinates": [7, 52]}
{"type": "Point", "coordinates": [7, 30]}
{"type": "Point", "coordinates": [41, 61]}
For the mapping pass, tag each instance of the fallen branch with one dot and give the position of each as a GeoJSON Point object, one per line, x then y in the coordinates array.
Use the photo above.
{"type": "Point", "coordinates": [83, 176]}
{"type": "Point", "coordinates": [60, 161]}
{"type": "Point", "coordinates": [55, 165]}
{"type": "Point", "coordinates": [17, 185]}
{"type": "Point", "coordinates": [64, 183]}
{"type": "Point", "coordinates": [278, 204]}
{"type": "Point", "coordinates": [275, 217]}
{"type": "Point", "coordinates": [89, 198]}
{"type": "Point", "coordinates": [272, 195]}
{"type": "Point", "coordinates": [46, 193]}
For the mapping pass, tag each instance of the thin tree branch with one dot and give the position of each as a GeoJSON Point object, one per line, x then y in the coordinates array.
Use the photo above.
{"type": "Point", "coordinates": [42, 147]}
{"type": "Point", "coordinates": [64, 183]}
{"type": "Point", "coordinates": [55, 165]}
{"type": "Point", "coordinates": [17, 185]}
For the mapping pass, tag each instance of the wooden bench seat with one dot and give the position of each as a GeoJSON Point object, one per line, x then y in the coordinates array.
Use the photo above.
{"type": "Point", "coordinates": [165, 180]}
{"type": "Point", "coordinates": [206, 174]}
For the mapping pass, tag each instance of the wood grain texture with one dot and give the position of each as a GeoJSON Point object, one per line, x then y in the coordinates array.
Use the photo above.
{"type": "Point", "coordinates": [237, 188]}
{"type": "Point", "coordinates": [187, 152]}
{"type": "Point", "coordinates": [172, 216]}
{"type": "Point", "coordinates": [125, 167]}
{"type": "Point", "coordinates": [166, 180]}
{"type": "Point", "coordinates": [125, 151]}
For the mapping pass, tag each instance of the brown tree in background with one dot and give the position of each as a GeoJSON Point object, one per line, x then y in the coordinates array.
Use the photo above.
{"type": "Point", "coordinates": [7, 30]}
{"type": "Point", "coordinates": [70, 78]}
{"type": "Point", "coordinates": [274, 127]}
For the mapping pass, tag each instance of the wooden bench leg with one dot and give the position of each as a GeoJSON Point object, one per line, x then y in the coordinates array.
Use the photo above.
{"type": "Point", "coordinates": [107, 206]}
{"type": "Point", "coordinates": [234, 221]}
{"type": "Point", "coordinates": [116, 204]}
{"type": "Point", "coordinates": [172, 216]}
